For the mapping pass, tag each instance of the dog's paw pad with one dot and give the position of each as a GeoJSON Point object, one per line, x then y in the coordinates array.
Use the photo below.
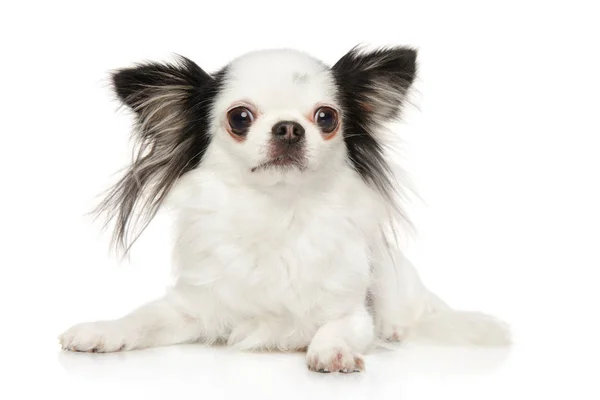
{"type": "Point", "coordinates": [334, 360]}
{"type": "Point", "coordinates": [96, 337]}
{"type": "Point", "coordinates": [392, 333]}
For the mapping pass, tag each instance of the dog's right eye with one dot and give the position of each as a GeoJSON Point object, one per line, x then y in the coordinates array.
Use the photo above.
{"type": "Point", "coordinates": [240, 119]}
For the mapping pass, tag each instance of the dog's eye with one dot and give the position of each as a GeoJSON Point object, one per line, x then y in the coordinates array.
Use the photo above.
{"type": "Point", "coordinates": [240, 119]}
{"type": "Point", "coordinates": [327, 119]}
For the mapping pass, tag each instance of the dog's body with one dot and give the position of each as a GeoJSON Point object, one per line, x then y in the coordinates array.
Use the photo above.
{"type": "Point", "coordinates": [284, 210]}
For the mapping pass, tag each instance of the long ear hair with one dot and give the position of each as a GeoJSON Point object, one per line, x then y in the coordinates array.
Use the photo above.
{"type": "Point", "coordinates": [373, 87]}
{"type": "Point", "coordinates": [172, 103]}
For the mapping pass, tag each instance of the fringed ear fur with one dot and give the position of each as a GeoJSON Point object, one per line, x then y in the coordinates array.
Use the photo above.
{"type": "Point", "coordinates": [373, 86]}
{"type": "Point", "coordinates": [171, 102]}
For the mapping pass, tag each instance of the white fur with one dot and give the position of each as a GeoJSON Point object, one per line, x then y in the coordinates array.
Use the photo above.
{"type": "Point", "coordinates": [284, 260]}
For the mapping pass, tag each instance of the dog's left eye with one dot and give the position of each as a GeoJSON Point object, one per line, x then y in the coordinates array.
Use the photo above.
{"type": "Point", "coordinates": [240, 119]}
{"type": "Point", "coordinates": [327, 119]}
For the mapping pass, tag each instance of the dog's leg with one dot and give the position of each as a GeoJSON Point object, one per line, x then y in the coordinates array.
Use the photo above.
{"type": "Point", "coordinates": [158, 323]}
{"type": "Point", "coordinates": [405, 309]}
{"type": "Point", "coordinates": [338, 346]}
{"type": "Point", "coordinates": [397, 297]}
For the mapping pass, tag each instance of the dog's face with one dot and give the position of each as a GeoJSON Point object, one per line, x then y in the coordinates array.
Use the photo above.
{"type": "Point", "coordinates": [268, 116]}
{"type": "Point", "coordinates": [278, 112]}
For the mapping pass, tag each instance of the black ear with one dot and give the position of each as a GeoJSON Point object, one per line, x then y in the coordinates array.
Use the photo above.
{"type": "Point", "coordinates": [159, 91]}
{"type": "Point", "coordinates": [172, 104]}
{"type": "Point", "coordinates": [372, 87]}
{"type": "Point", "coordinates": [376, 82]}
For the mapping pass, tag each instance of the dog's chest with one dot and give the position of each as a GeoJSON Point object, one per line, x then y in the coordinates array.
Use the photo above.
{"type": "Point", "coordinates": [279, 256]}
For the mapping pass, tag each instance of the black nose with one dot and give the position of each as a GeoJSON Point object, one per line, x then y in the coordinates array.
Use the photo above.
{"type": "Point", "coordinates": [288, 131]}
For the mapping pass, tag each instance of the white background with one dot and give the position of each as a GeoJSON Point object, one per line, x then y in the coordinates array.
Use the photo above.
{"type": "Point", "coordinates": [503, 146]}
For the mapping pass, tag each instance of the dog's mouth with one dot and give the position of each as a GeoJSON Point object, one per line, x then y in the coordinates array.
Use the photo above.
{"type": "Point", "coordinates": [285, 161]}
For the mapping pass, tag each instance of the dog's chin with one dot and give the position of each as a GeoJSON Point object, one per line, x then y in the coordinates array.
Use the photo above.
{"type": "Point", "coordinates": [282, 163]}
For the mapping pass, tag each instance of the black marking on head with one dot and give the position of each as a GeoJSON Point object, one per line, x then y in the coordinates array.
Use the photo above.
{"type": "Point", "coordinates": [372, 89]}
{"type": "Point", "coordinates": [299, 78]}
{"type": "Point", "coordinates": [172, 103]}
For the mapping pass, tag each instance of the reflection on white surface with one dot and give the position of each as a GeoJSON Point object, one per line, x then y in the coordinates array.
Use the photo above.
{"type": "Point", "coordinates": [226, 371]}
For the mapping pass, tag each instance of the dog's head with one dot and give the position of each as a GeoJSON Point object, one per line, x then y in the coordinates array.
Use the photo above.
{"type": "Point", "coordinates": [268, 116]}
{"type": "Point", "coordinates": [278, 113]}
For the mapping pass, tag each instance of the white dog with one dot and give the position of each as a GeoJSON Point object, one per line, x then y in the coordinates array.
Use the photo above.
{"type": "Point", "coordinates": [286, 210]}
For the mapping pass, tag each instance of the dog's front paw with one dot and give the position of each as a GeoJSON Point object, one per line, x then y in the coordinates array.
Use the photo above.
{"type": "Point", "coordinates": [100, 337]}
{"type": "Point", "coordinates": [334, 359]}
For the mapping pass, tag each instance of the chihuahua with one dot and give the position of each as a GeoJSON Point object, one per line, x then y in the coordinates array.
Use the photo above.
{"type": "Point", "coordinates": [286, 210]}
